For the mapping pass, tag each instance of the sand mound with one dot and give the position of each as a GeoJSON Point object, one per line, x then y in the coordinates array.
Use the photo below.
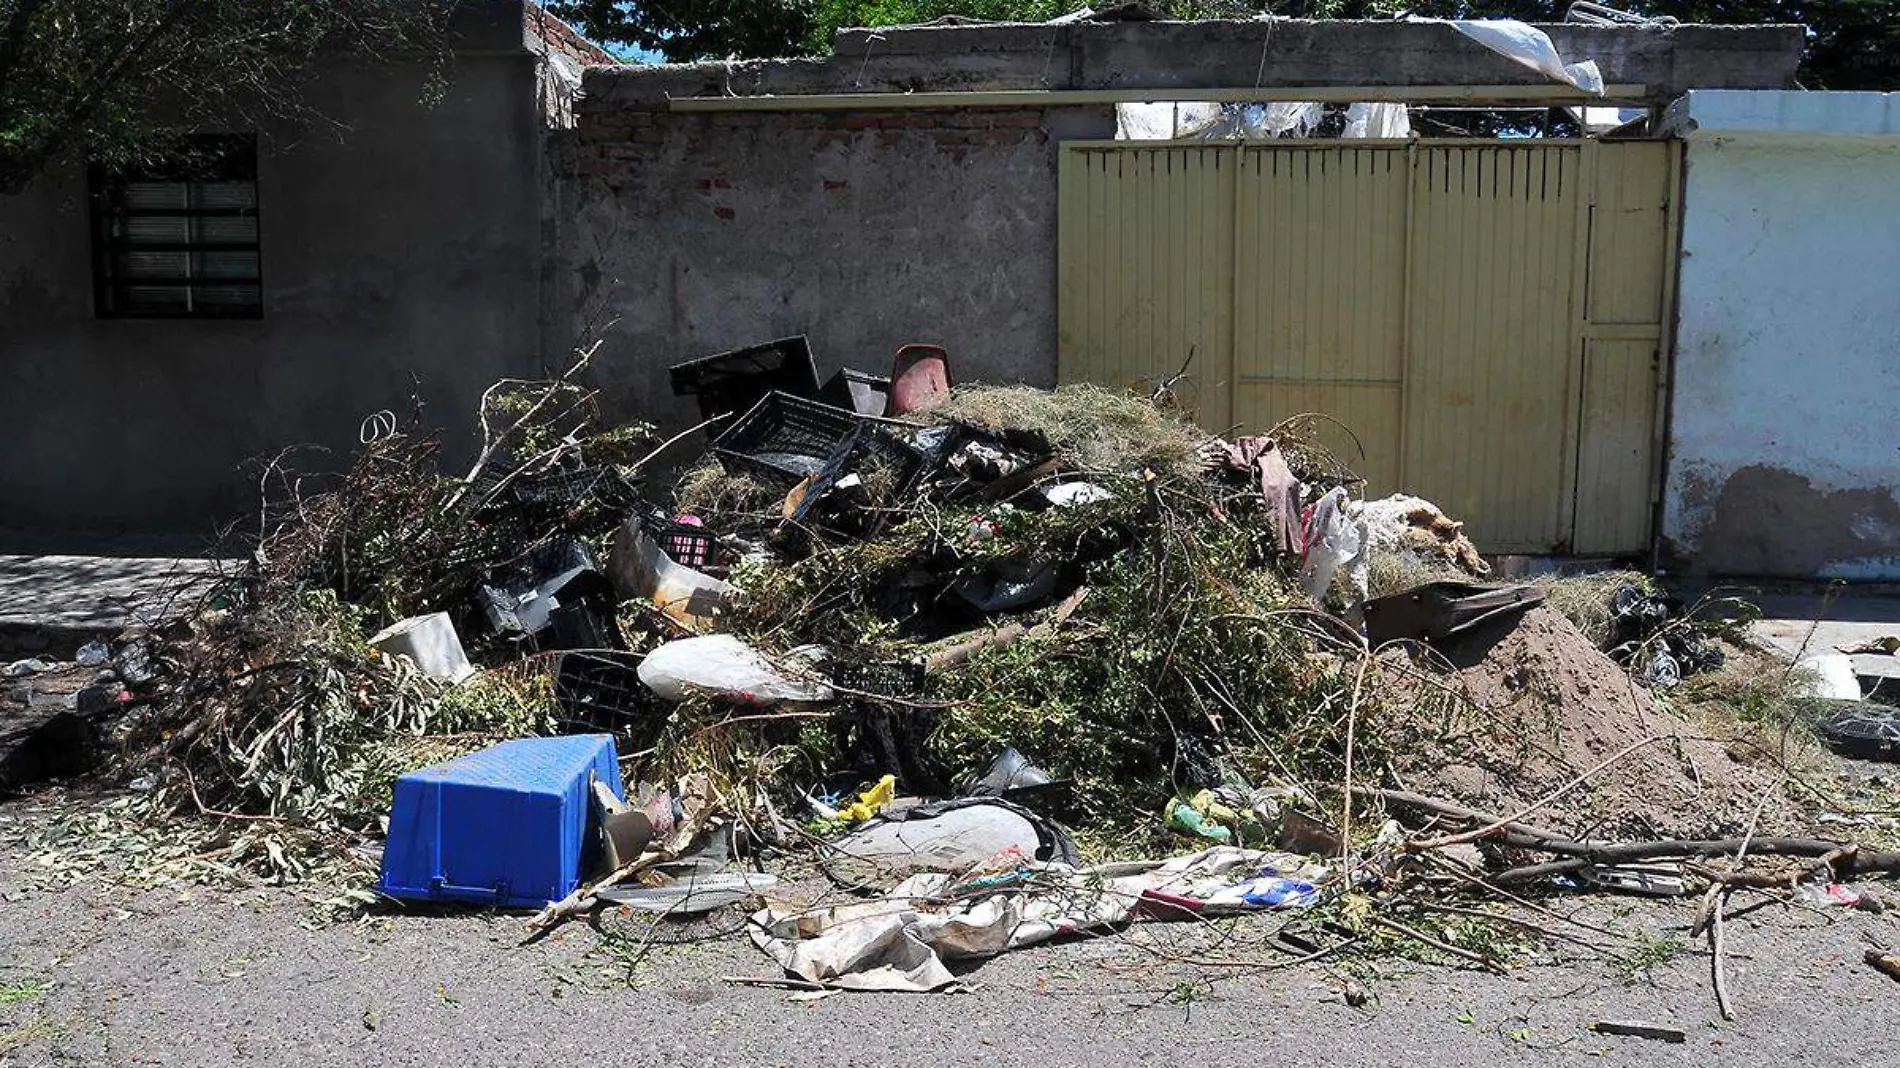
{"type": "Point", "coordinates": [1544, 706]}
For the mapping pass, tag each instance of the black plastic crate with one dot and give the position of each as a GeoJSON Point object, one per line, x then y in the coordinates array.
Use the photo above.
{"type": "Point", "coordinates": [731, 382]}
{"type": "Point", "coordinates": [792, 437]}
{"type": "Point", "coordinates": [603, 691]}
{"type": "Point", "coordinates": [564, 488]}
{"type": "Point", "coordinates": [693, 546]}
{"type": "Point", "coordinates": [857, 391]}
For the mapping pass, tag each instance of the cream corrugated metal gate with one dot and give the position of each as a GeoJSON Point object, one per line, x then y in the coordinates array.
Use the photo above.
{"type": "Point", "coordinates": [1486, 317]}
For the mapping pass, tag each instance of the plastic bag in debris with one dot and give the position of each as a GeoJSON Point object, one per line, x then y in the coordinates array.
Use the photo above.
{"type": "Point", "coordinates": [1332, 541]}
{"type": "Point", "coordinates": [950, 836]}
{"type": "Point", "coordinates": [1828, 675]}
{"type": "Point", "coordinates": [19, 669]}
{"type": "Point", "coordinates": [1377, 120]}
{"type": "Point", "coordinates": [1008, 585]}
{"type": "Point", "coordinates": [1011, 776]}
{"type": "Point", "coordinates": [691, 896]}
{"type": "Point", "coordinates": [92, 654]}
{"type": "Point", "coordinates": [1651, 639]}
{"type": "Point", "coordinates": [724, 666]}
{"type": "Point", "coordinates": [901, 941]}
{"type": "Point", "coordinates": [1076, 494]}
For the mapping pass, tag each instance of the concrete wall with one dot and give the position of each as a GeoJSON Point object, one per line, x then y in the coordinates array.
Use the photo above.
{"type": "Point", "coordinates": [1785, 451]}
{"type": "Point", "coordinates": [1279, 52]}
{"type": "Point", "coordinates": [406, 244]}
{"type": "Point", "coordinates": [685, 235]}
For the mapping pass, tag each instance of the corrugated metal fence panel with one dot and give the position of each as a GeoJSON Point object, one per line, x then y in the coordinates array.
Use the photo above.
{"type": "Point", "coordinates": [1617, 447]}
{"type": "Point", "coordinates": [1146, 263]}
{"type": "Point", "coordinates": [1489, 345]}
{"type": "Point", "coordinates": [1320, 296]}
{"type": "Point", "coordinates": [1628, 232]}
{"type": "Point", "coordinates": [1437, 303]}
{"type": "Point", "coordinates": [1631, 241]}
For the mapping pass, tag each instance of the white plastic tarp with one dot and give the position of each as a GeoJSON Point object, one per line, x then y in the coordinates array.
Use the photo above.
{"type": "Point", "coordinates": [1161, 122]}
{"type": "Point", "coordinates": [1378, 120]}
{"type": "Point", "coordinates": [1530, 46]}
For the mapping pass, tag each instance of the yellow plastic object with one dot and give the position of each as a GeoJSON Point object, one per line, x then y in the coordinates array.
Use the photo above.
{"type": "Point", "coordinates": [870, 801]}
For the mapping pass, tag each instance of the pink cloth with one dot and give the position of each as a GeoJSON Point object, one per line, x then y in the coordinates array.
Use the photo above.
{"type": "Point", "coordinates": [1281, 490]}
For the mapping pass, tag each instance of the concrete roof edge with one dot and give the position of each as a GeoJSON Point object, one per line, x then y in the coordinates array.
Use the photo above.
{"type": "Point", "coordinates": [1222, 55]}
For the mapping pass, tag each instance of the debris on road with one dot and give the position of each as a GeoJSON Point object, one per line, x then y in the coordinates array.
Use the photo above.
{"type": "Point", "coordinates": [1867, 731]}
{"type": "Point", "coordinates": [32, 666]}
{"type": "Point", "coordinates": [1884, 961]}
{"type": "Point", "coordinates": [508, 826]}
{"type": "Point", "coordinates": [1638, 1029]}
{"type": "Point", "coordinates": [902, 940]}
{"type": "Point", "coordinates": [993, 640]}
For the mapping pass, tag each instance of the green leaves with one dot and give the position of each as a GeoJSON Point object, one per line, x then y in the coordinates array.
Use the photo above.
{"type": "Point", "coordinates": [117, 80]}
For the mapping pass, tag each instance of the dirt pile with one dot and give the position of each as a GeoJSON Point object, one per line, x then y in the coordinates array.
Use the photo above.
{"type": "Point", "coordinates": [1544, 707]}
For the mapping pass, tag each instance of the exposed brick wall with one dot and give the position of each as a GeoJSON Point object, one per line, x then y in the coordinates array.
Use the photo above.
{"type": "Point", "coordinates": [616, 141]}
{"type": "Point", "coordinates": [562, 38]}
{"type": "Point", "coordinates": [694, 232]}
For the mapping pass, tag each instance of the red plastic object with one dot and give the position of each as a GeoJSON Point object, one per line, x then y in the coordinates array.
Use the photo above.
{"type": "Point", "coordinates": [920, 377]}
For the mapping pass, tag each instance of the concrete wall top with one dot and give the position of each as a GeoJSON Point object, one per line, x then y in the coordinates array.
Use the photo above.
{"type": "Point", "coordinates": [1727, 113]}
{"type": "Point", "coordinates": [1221, 55]}
{"type": "Point", "coordinates": [489, 25]}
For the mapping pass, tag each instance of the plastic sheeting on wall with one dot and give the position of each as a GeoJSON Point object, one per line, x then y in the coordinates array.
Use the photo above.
{"type": "Point", "coordinates": [1209, 121]}
{"type": "Point", "coordinates": [1530, 46]}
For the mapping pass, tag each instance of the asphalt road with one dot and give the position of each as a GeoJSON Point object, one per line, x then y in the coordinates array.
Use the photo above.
{"type": "Point", "coordinates": [104, 975]}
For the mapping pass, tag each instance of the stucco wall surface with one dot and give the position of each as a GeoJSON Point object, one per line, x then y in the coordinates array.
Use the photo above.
{"type": "Point", "coordinates": [401, 255]}
{"type": "Point", "coordinates": [1785, 443]}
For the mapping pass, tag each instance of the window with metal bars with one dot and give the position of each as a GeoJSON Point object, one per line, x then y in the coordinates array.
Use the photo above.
{"type": "Point", "coordinates": [179, 239]}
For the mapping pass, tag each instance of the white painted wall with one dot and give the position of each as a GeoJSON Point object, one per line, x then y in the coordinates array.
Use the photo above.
{"type": "Point", "coordinates": [1785, 440]}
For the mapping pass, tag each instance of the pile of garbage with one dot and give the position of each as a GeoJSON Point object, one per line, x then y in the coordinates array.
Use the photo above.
{"type": "Point", "coordinates": [968, 647]}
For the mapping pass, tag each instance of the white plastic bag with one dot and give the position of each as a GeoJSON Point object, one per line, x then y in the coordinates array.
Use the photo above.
{"type": "Point", "coordinates": [724, 666]}
{"type": "Point", "coordinates": [1334, 540]}
{"type": "Point", "coordinates": [1144, 122]}
{"type": "Point", "coordinates": [1532, 47]}
{"type": "Point", "coordinates": [1076, 494]}
{"type": "Point", "coordinates": [1297, 117]}
{"type": "Point", "coordinates": [1378, 120]}
{"type": "Point", "coordinates": [1828, 675]}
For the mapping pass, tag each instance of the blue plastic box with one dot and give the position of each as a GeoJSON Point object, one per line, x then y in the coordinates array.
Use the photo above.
{"type": "Point", "coordinates": [510, 826]}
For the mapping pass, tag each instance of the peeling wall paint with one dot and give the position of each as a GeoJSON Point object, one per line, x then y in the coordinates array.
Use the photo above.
{"type": "Point", "coordinates": [1785, 443]}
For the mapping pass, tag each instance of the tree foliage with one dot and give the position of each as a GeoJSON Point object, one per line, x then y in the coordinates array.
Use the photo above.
{"type": "Point", "coordinates": [1854, 44]}
{"type": "Point", "coordinates": [119, 80]}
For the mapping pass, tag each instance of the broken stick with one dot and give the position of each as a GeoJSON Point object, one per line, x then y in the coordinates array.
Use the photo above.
{"type": "Point", "coordinates": [1886, 962]}
{"type": "Point", "coordinates": [962, 649]}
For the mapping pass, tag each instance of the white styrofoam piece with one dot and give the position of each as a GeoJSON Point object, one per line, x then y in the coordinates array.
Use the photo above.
{"type": "Point", "coordinates": [431, 642]}
{"type": "Point", "coordinates": [1829, 675]}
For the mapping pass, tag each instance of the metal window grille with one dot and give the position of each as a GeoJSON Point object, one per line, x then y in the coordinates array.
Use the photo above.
{"type": "Point", "coordinates": [179, 239]}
